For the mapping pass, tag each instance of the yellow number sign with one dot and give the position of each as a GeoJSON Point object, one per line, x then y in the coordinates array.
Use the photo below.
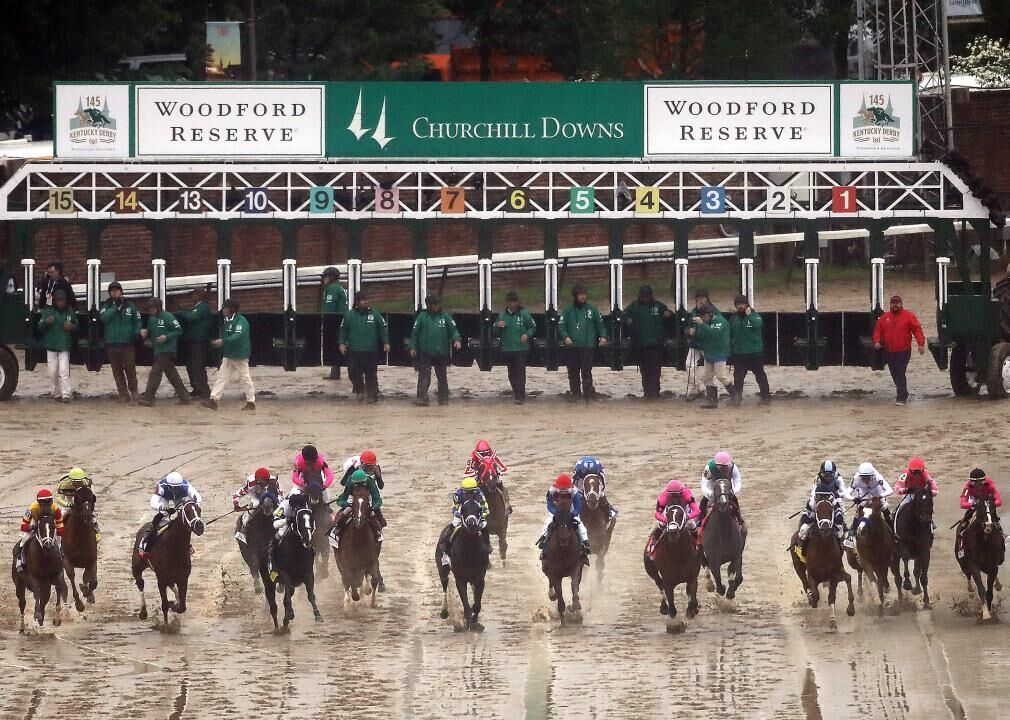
{"type": "Point", "coordinates": [646, 200]}
{"type": "Point", "coordinates": [61, 201]}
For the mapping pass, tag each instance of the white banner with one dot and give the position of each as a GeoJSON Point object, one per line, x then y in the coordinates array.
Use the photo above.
{"type": "Point", "coordinates": [964, 9]}
{"type": "Point", "coordinates": [739, 121]}
{"type": "Point", "coordinates": [92, 121]}
{"type": "Point", "coordinates": [876, 120]}
{"type": "Point", "coordinates": [230, 120]}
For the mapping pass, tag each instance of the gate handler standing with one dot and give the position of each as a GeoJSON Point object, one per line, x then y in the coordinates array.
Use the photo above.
{"type": "Point", "coordinates": [893, 334]}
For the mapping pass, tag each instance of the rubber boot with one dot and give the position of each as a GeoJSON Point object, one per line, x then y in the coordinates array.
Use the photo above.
{"type": "Point", "coordinates": [711, 397]}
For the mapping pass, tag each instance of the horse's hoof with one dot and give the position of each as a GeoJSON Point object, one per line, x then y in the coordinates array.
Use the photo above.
{"type": "Point", "coordinates": [721, 590]}
{"type": "Point", "coordinates": [710, 585]}
{"type": "Point", "coordinates": [664, 609]}
{"type": "Point", "coordinates": [692, 611]}
{"type": "Point", "coordinates": [143, 613]}
{"type": "Point", "coordinates": [90, 598]}
{"type": "Point", "coordinates": [927, 605]}
{"type": "Point", "coordinates": [813, 602]}
{"type": "Point", "coordinates": [319, 618]}
{"type": "Point", "coordinates": [917, 591]}
{"type": "Point", "coordinates": [551, 595]}
{"type": "Point", "coordinates": [850, 610]}
{"type": "Point", "coordinates": [730, 594]}
{"type": "Point", "coordinates": [833, 624]}
{"type": "Point", "coordinates": [575, 607]}
{"type": "Point", "coordinates": [79, 604]}
{"type": "Point", "coordinates": [381, 587]}
{"type": "Point", "coordinates": [444, 614]}
{"type": "Point", "coordinates": [907, 585]}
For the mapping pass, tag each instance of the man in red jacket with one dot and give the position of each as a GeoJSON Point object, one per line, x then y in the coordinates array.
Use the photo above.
{"type": "Point", "coordinates": [893, 334]}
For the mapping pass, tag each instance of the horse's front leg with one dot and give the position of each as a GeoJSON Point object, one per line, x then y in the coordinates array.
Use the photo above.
{"type": "Point", "coordinates": [813, 592]}
{"type": "Point", "coordinates": [692, 597]}
{"type": "Point", "coordinates": [907, 584]}
{"type": "Point", "coordinates": [310, 592]}
{"type": "Point", "coordinates": [19, 591]}
{"type": "Point", "coordinates": [166, 604]}
{"type": "Point", "coordinates": [735, 576]}
{"type": "Point", "coordinates": [715, 578]}
{"type": "Point", "coordinates": [463, 591]}
{"type": "Point", "coordinates": [90, 581]}
{"type": "Point", "coordinates": [478, 594]}
{"type": "Point", "coordinates": [576, 603]}
{"type": "Point", "coordinates": [922, 572]}
{"type": "Point", "coordinates": [671, 606]}
{"type": "Point", "coordinates": [181, 591]}
{"type": "Point", "coordinates": [289, 610]}
{"type": "Point", "coordinates": [71, 572]}
{"type": "Point", "coordinates": [559, 593]}
{"type": "Point", "coordinates": [832, 588]}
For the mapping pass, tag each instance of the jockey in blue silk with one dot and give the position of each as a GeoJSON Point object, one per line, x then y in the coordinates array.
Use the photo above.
{"type": "Point", "coordinates": [171, 492]}
{"type": "Point", "coordinates": [563, 487]}
{"type": "Point", "coordinates": [467, 491]}
{"type": "Point", "coordinates": [591, 465]}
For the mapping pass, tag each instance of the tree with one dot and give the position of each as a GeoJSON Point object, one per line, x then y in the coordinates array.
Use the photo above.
{"type": "Point", "coordinates": [988, 60]}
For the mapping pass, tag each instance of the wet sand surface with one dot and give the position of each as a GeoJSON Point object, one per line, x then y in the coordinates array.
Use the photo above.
{"type": "Point", "coordinates": [764, 655]}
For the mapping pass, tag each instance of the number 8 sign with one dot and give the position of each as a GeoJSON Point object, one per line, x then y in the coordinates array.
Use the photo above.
{"type": "Point", "coordinates": [387, 200]}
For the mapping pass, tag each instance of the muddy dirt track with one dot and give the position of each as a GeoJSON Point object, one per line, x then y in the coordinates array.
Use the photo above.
{"type": "Point", "coordinates": [766, 655]}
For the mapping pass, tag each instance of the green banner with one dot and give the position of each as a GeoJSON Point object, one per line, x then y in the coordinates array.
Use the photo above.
{"type": "Point", "coordinates": [482, 120]}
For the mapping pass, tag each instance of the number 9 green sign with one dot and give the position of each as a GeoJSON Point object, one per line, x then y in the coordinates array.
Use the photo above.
{"type": "Point", "coordinates": [321, 200]}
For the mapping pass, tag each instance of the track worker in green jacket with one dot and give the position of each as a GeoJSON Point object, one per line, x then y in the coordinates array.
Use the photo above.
{"type": "Point", "coordinates": [516, 328]}
{"type": "Point", "coordinates": [433, 334]}
{"type": "Point", "coordinates": [747, 344]}
{"type": "Point", "coordinates": [236, 347]}
{"type": "Point", "coordinates": [121, 320]}
{"type": "Point", "coordinates": [58, 324]}
{"type": "Point", "coordinates": [195, 346]}
{"type": "Point", "coordinates": [644, 319]}
{"type": "Point", "coordinates": [163, 332]}
{"type": "Point", "coordinates": [711, 333]}
{"type": "Point", "coordinates": [334, 302]}
{"type": "Point", "coordinates": [362, 334]}
{"type": "Point", "coordinates": [580, 328]}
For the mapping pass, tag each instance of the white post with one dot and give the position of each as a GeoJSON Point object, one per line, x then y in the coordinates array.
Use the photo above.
{"type": "Point", "coordinates": [420, 283]}
{"type": "Point", "coordinates": [158, 289]}
{"type": "Point", "coordinates": [28, 266]}
{"type": "Point", "coordinates": [942, 269]}
{"type": "Point", "coordinates": [616, 284]}
{"type": "Point", "coordinates": [353, 280]}
{"type": "Point", "coordinates": [747, 279]}
{"type": "Point", "coordinates": [876, 284]}
{"type": "Point", "coordinates": [290, 284]}
{"type": "Point", "coordinates": [223, 281]}
{"type": "Point", "coordinates": [810, 294]}
{"type": "Point", "coordinates": [484, 266]}
{"type": "Point", "coordinates": [680, 283]}
{"type": "Point", "coordinates": [550, 284]}
{"type": "Point", "coordinates": [94, 283]}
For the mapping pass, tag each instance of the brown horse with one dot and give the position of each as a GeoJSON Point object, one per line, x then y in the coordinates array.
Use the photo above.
{"type": "Point", "coordinates": [80, 546]}
{"type": "Point", "coordinates": [596, 517]}
{"type": "Point", "coordinates": [876, 550]}
{"type": "Point", "coordinates": [677, 562]}
{"type": "Point", "coordinates": [562, 558]}
{"type": "Point", "coordinates": [497, 501]}
{"type": "Point", "coordinates": [822, 561]}
{"type": "Point", "coordinates": [357, 555]}
{"type": "Point", "coordinates": [468, 564]}
{"type": "Point", "coordinates": [169, 557]}
{"type": "Point", "coordinates": [983, 549]}
{"type": "Point", "coordinates": [42, 572]}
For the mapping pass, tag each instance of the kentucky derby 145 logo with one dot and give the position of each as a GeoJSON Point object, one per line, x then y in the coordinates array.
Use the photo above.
{"type": "Point", "coordinates": [93, 122]}
{"type": "Point", "coordinates": [876, 122]}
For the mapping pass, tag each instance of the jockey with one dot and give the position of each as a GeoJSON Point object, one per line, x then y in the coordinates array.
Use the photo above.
{"type": "Point", "coordinates": [830, 484]}
{"type": "Point", "coordinates": [484, 455]}
{"type": "Point", "coordinates": [367, 462]}
{"type": "Point", "coordinates": [68, 485]}
{"type": "Point", "coordinates": [310, 459]}
{"type": "Point", "coordinates": [676, 493]}
{"type": "Point", "coordinates": [564, 487]}
{"type": "Point", "coordinates": [171, 492]}
{"type": "Point", "coordinates": [915, 477]}
{"type": "Point", "coordinates": [720, 467]}
{"type": "Point", "coordinates": [43, 505]}
{"type": "Point", "coordinates": [359, 477]}
{"type": "Point", "coordinates": [867, 483]}
{"type": "Point", "coordinates": [468, 490]}
{"type": "Point", "coordinates": [591, 465]}
{"type": "Point", "coordinates": [283, 516]}
{"type": "Point", "coordinates": [979, 486]}
{"type": "Point", "coordinates": [257, 485]}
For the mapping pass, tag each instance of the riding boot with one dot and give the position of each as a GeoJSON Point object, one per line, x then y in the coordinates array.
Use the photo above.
{"type": "Point", "coordinates": [711, 397]}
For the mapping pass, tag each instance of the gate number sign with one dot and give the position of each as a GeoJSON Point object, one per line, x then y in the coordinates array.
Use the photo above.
{"type": "Point", "coordinates": [321, 200]}
{"type": "Point", "coordinates": [453, 201]}
{"type": "Point", "coordinates": [61, 200]}
{"type": "Point", "coordinates": [843, 199]}
{"type": "Point", "coordinates": [387, 200]}
{"type": "Point", "coordinates": [255, 200]}
{"type": "Point", "coordinates": [713, 200]}
{"type": "Point", "coordinates": [582, 201]}
{"type": "Point", "coordinates": [647, 200]}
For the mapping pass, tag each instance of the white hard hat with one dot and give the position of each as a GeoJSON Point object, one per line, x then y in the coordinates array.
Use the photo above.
{"type": "Point", "coordinates": [867, 469]}
{"type": "Point", "coordinates": [174, 478]}
{"type": "Point", "coordinates": [352, 462]}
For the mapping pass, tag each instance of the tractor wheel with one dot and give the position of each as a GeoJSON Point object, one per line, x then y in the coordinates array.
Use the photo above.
{"type": "Point", "coordinates": [962, 372]}
{"type": "Point", "coordinates": [998, 380]}
{"type": "Point", "coordinates": [8, 373]}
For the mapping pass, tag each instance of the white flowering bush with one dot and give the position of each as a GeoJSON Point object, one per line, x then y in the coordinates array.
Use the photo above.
{"type": "Point", "coordinates": [988, 60]}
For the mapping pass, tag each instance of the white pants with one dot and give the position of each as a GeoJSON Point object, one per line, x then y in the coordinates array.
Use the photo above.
{"type": "Point", "coordinates": [234, 370]}
{"type": "Point", "coordinates": [59, 373]}
{"type": "Point", "coordinates": [715, 370]}
{"type": "Point", "coordinates": [691, 366]}
{"type": "Point", "coordinates": [583, 535]}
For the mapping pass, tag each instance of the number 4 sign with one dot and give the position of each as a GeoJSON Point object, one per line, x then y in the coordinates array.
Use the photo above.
{"type": "Point", "coordinates": [843, 199]}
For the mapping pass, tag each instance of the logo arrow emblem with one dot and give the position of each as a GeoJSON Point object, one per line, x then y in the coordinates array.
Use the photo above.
{"type": "Point", "coordinates": [380, 129]}
{"type": "Point", "coordinates": [355, 127]}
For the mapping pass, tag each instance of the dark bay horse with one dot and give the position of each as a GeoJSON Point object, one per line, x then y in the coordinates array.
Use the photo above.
{"type": "Point", "coordinates": [562, 558]}
{"type": "Point", "coordinates": [724, 539]}
{"type": "Point", "coordinates": [469, 565]}
{"type": "Point", "coordinates": [80, 546]}
{"type": "Point", "coordinates": [42, 572]}
{"type": "Point", "coordinates": [913, 527]}
{"type": "Point", "coordinates": [294, 561]}
{"type": "Point", "coordinates": [984, 549]}
{"type": "Point", "coordinates": [323, 518]}
{"type": "Point", "coordinates": [256, 538]}
{"type": "Point", "coordinates": [498, 517]}
{"type": "Point", "coordinates": [876, 550]}
{"type": "Point", "coordinates": [677, 562]}
{"type": "Point", "coordinates": [169, 558]}
{"type": "Point", "coordinates": [822, 562]}
{"type": "Point", "coordinates": [357, 556]}
{"type": "Point", "coordinates": [596, 517]}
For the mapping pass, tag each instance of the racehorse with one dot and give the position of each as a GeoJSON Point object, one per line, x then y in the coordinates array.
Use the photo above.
{"type": "Point", "coordinates": [497, 518]}
{"type": "Point", "coordinates": [43, 570]}
{"type": "Point", "coordinates": [983, 549]}
{"type": "Point", "coordinates": [468, 564]}
{"type": "Point", "coordinates": [357, 555]}
{"type": "Point", "coordinates": [724, 539]}
{"type": "Point", "coordinates": [876, 551]}
{"type": "Point", "coordinates": [822, 562]}
{"type": "Point", "coordinates": [293, 561]}
{"type": "Point", "coordinates": [596, 517]}
{"type": "Point", "coordinates": [677, 561]}
{"type": "Point", "coordinates": [256, 538]}
{"type": "Point", "coordinates": [169, 557]}
{"type": "Point", "coordinates": [80, 546]}
{"type": "Point", "coordinates": [323, 519]}
{"type": "Point", "coordinates": [913, 527]}
{"type": "Point", "coordinates": [562, 557]}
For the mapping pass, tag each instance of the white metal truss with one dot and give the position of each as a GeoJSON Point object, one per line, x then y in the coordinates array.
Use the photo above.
{"type": "Point", "coordinates": [219, 191]}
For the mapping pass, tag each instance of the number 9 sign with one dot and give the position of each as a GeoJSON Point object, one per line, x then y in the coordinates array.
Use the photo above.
{"type": "Point", "coordinates": [321, 200]}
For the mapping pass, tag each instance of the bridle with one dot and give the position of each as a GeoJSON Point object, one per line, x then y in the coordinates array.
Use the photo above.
{"type": "Point", "coordinates": [824, 525]}
{"type": "Point", "coordinates": [676, 519]}
{"type": "Point", "coordinates": [591, 489]}
{"type": "Point", "coordinates": [45, 531]}
{"type": "Point", "coordinates": [469, 511]}
{"type": "Point", "coordinates": [305, 526]}
{"type": "Point", "coordinates": [190, 514]}
{"type": "Point", "coordinates": [723, 493]}
{"type": "Point", "coordinates": [361, 509]}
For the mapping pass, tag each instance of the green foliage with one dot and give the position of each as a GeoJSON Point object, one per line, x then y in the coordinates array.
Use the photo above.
{"type": "Point", "coordinates": [987, 59]}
